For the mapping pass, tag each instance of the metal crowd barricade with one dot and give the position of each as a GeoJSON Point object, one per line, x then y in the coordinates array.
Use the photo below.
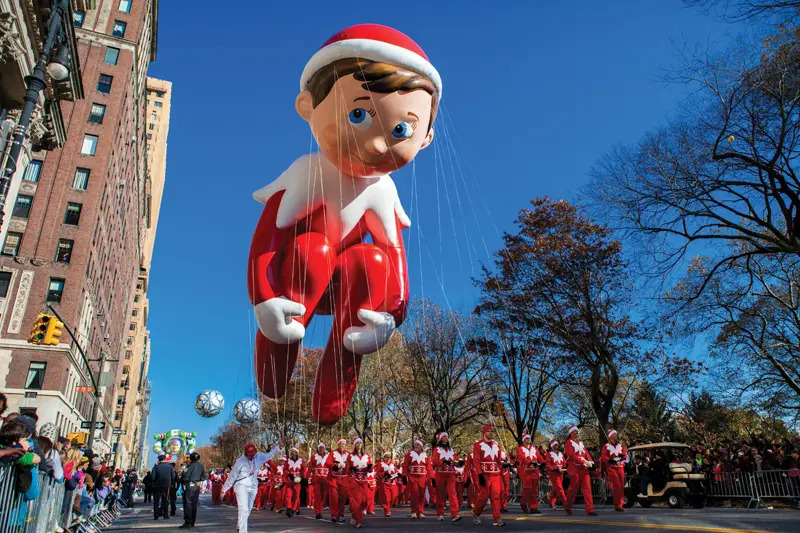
{"type": "Point", "coordinates": [777, 484]}
{"type": "Point", "coordinates": [730, 485]}
{"type": "Point", "coordinates": [600, 490]}
{"type": "Point", "coordinates": [39, 515]}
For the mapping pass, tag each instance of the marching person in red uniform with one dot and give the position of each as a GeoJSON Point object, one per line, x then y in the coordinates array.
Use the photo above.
{"type": "Point", "coordinates": [488, 470]}
{"type": "Point", "coordinates": [529, 460]}
{"type": "Point", "coordinates": [462, 480]}
{"type": "Point", "coordinates": [556, 466]}
{"type": "Point", "coordinates": [444, 462]}
{"type": "Point", "coordinates": [417, 468]}
{"type": "Point", "coordinates": [614, 456]}
{"type": "Point", "coordinates": [472, 476]}
{"type": "Point", "coordinates": [387, 476]}
{"type": "Point", "coordinates": [295, 467]}
{"type": "Point", "coordinates": [216, 486]}
{"type": "Point", "coordinates": [278, 471]}
{"type": "Point", "coordinates": [358, 465]}
{"type": "Point", "coordinates": [579, 461]}
{"type": "Point", "coordinates": [372, 489]}
{"type": "Point", "coordinates": [506, 481]}
{"type": "Point", "coordinates": [399, 489]}
{"type": "Point", "coordinates": [263, 495]}
{"type": "Point", "coordinates": [337, 490]}
{"type": "Point", "coordinates": [318, 475]}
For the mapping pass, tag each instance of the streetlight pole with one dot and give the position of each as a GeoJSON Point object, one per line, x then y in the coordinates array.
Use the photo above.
{"type": "Point", "coordinates": [36, 83]}
{"type": "Point", "coordinates": [121, 420]}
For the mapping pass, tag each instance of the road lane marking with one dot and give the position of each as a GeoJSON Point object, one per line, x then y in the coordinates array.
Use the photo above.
{"type": "Point", "coordinates": [708, 529]}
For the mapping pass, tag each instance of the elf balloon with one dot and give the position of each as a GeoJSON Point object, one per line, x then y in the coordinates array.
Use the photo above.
{"type": "Point", "coordinates": [370, 96]}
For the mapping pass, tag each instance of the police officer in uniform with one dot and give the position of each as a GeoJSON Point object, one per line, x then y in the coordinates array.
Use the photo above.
{"type": "Point", "coordinates": [163, 476]}
{"type": "Point", "coordinates": [173, 490]}
{"type": "Point", "coordinates": [191, 478]}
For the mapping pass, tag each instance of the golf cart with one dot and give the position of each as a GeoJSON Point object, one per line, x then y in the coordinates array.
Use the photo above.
{"type": "Point", "coordinates": [674, 481]}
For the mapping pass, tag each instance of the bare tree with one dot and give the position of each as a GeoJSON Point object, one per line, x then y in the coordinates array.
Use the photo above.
{"type": "Point", "coordinates": [453, 378]}
{"type": "Point", "coordinates": [749, 9]}
{"type": "Point", "coordinates": [723, 172]}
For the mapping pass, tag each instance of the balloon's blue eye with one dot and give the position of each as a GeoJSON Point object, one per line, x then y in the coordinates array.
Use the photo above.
{"type": "Point", "coordinates": [403, 130]}
{"type": "Point", "coordinates": [360, 118]}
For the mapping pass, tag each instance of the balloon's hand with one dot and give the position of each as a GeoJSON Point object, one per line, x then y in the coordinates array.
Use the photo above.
{"type": "Point", "coordinates": [374, 334]}
{"type": "Point", "coordinates": [275, 319]}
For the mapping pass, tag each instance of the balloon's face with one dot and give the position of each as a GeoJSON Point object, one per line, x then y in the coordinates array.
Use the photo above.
{"type": "Point", "coordinates": [174, 445]}
{"type": "Point", "coordinates": [367, 133]}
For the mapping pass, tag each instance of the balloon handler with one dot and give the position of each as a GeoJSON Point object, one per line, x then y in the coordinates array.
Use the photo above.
{"type": "Point", "coordinates": [370, 96]}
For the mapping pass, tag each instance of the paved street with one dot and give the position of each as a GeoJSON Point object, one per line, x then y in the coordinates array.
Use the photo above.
{"type": "Point", "coordinates": [223, 519]}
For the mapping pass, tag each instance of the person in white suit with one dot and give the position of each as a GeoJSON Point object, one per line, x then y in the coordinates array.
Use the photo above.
{"type": "Point", "coordinates": [243, 480]}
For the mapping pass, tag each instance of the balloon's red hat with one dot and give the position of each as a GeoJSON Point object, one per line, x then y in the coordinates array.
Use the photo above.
{"type": "Point", "coordinates": [376, 43]}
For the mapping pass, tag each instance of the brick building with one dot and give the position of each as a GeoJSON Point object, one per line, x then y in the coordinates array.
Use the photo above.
{"type": "Point", "coordinates": [76, 233]}
{"type": "Point", "coordinates": [133, 396]}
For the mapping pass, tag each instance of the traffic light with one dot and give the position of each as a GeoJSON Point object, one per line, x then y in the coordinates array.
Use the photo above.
{"type": "Point", "coordinates": [54, 327]}
{"type": "Point", "coordinates": [39, 329]}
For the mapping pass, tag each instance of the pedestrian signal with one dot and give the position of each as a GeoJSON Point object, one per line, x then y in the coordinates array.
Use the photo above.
{"type": "Point", "coordinates": [54, 327]}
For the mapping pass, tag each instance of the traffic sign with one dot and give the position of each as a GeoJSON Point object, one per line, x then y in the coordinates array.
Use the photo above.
{"type": "Point", "coordinates": [97, 425]}
{"type": "Point", "coordinates": [119, 432]}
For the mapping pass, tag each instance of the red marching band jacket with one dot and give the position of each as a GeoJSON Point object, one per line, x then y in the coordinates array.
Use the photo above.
{"type": "Point", "coordinates": [386, 472]}
{"type": "Point", "coordinates": [318, 466]}
{"type": "Point", "coordinates": [358, 466]}
{"type": "Point", "coordinates": [444, 460]}
{"type": "Point", "coordinates": [577, 455]}
{"type": "Point", "coordinates": [339, 460]}
{"type": "Point", "coordinates": [528, 461]}
{"type": "Point", "coordinates": [613, 456]}
{"type": "Point", "coordinates": [417, 464]}
{"type": "Point", "coordinates": [486, 457]}
{"type": "Point", "coordinates": [294, 468]}
{"type": "Point", "coordinates": [278, 473]}
{"type": "Point", "coordinates": [555, 462]}
{"type": "Point", "coordinates": [264, 474]}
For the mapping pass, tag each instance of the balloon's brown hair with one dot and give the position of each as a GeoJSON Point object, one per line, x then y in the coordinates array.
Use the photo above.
{"type": "Point", "coordinates": [377, 77]}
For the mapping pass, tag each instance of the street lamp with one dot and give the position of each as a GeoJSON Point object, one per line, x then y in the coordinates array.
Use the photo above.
{"type": "Point", "coordinates": [58, 69]}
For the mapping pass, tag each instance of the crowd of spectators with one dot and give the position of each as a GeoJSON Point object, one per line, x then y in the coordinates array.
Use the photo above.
{"type": "Point", "coordinates": [40, 453]}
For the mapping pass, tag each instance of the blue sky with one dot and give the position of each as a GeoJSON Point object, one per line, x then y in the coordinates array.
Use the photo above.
{"type": "Point", "coordinates": [534, 92]}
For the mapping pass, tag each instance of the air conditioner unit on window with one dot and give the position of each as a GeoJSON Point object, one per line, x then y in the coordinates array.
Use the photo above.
{"type": "Point", "coordinates": [10, 251]}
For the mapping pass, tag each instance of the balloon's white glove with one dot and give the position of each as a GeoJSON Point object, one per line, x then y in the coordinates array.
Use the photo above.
{"type": "Point", "coordinates": [374, 334]}
{"type": "Point", "coordinates": [276, 322]}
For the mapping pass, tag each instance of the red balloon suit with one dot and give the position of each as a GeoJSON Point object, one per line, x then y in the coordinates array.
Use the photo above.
{"type": "Point", "coordinates": [309, 257]}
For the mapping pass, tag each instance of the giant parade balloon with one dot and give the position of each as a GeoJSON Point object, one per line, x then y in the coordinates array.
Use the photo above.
{"type": "Point", "coordinates": [174, 442]}
{"type": "Point", "coordinates": [246, 411]}
{"type": "Point", "coordinates": [329, 240]}
{"type": "Point", "coordinates": [209, 403]}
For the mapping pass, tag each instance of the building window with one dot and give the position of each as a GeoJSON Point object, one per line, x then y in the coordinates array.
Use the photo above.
{"type": "Point", "coordinates": [11, 246]}
{"type": "Point", "coordinates": [119, 29]}
{"type": "Point", "coordinates": [128, 354]}
{"type": "Point", "coordinates": [134, 312]}
{"type": "Point", "coordinates": [118, 416]}
{"type": "Point", "coordinates": [130, 341]}
{"type": "Point", "coordinates": [136, 299]}
{"type": "Point", "coordinates": [22, 207]}
{"type": "Point", "coordinates": [55, 289]}
{"type": "Point", "coordinates": [97, 113]}
{"type": "Point", "coordinates": [5, 282]}
{"type": "Point", "coordinates": [73, 214]}
{"type": "Point", "coordinates": [153, 115]}
{"type": "Point", "coordinates": [32, 171]}
{"type": "Point", "coordinates": [151, 126]}
{"type": "Point", "coordinates": [89, 146]}
{"type": "Point", "coordinates": [125, 6]}
{"type": "Point", "coordinates": [64, 250]}
{"type": "Point", "coordinates": [132, 326]}
{"type": "Point", "coordinates": [81, 179]}
{"type": "Point", "coordinates": [158, 104]}
{"type": "Point", "coordinates": [104, 83]}
{"type": "Point", "coordinates": [149, 136]}
{"type": "Point", "coordinates": [112, 55]}
{"type": "Point", "coordinates": [77, 18]}
{"type": "Point", "coordinates": [35, 378]}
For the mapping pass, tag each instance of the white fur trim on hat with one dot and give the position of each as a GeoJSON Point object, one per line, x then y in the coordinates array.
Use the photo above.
{"type": "Point", "coordinates": [357, 440]}
{"type": "Point", "coordinates": [341, 439]}
{"type": "Point", "coordinates": [419, 441]}
{"type": "Point", "coordinates": [571, 429]}
{"type": "Point", "coordinates": [442, 434]}
{"type": "Point", "coordinates": [321, 444]}
{"type": "Point", "coordinates": [611, 432]}
{"type": "Point", "coordinates": [526, 436]}
{"type": "Point", "coordinates": [374, 51]}
{"type": "Point", "coordinates": [553, 442]}
{"type": "Point", "coordinates": [387, 453]}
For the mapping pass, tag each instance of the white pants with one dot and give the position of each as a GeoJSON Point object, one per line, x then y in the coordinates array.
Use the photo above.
{"type": "Point", "coordinates": [245, 496]}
